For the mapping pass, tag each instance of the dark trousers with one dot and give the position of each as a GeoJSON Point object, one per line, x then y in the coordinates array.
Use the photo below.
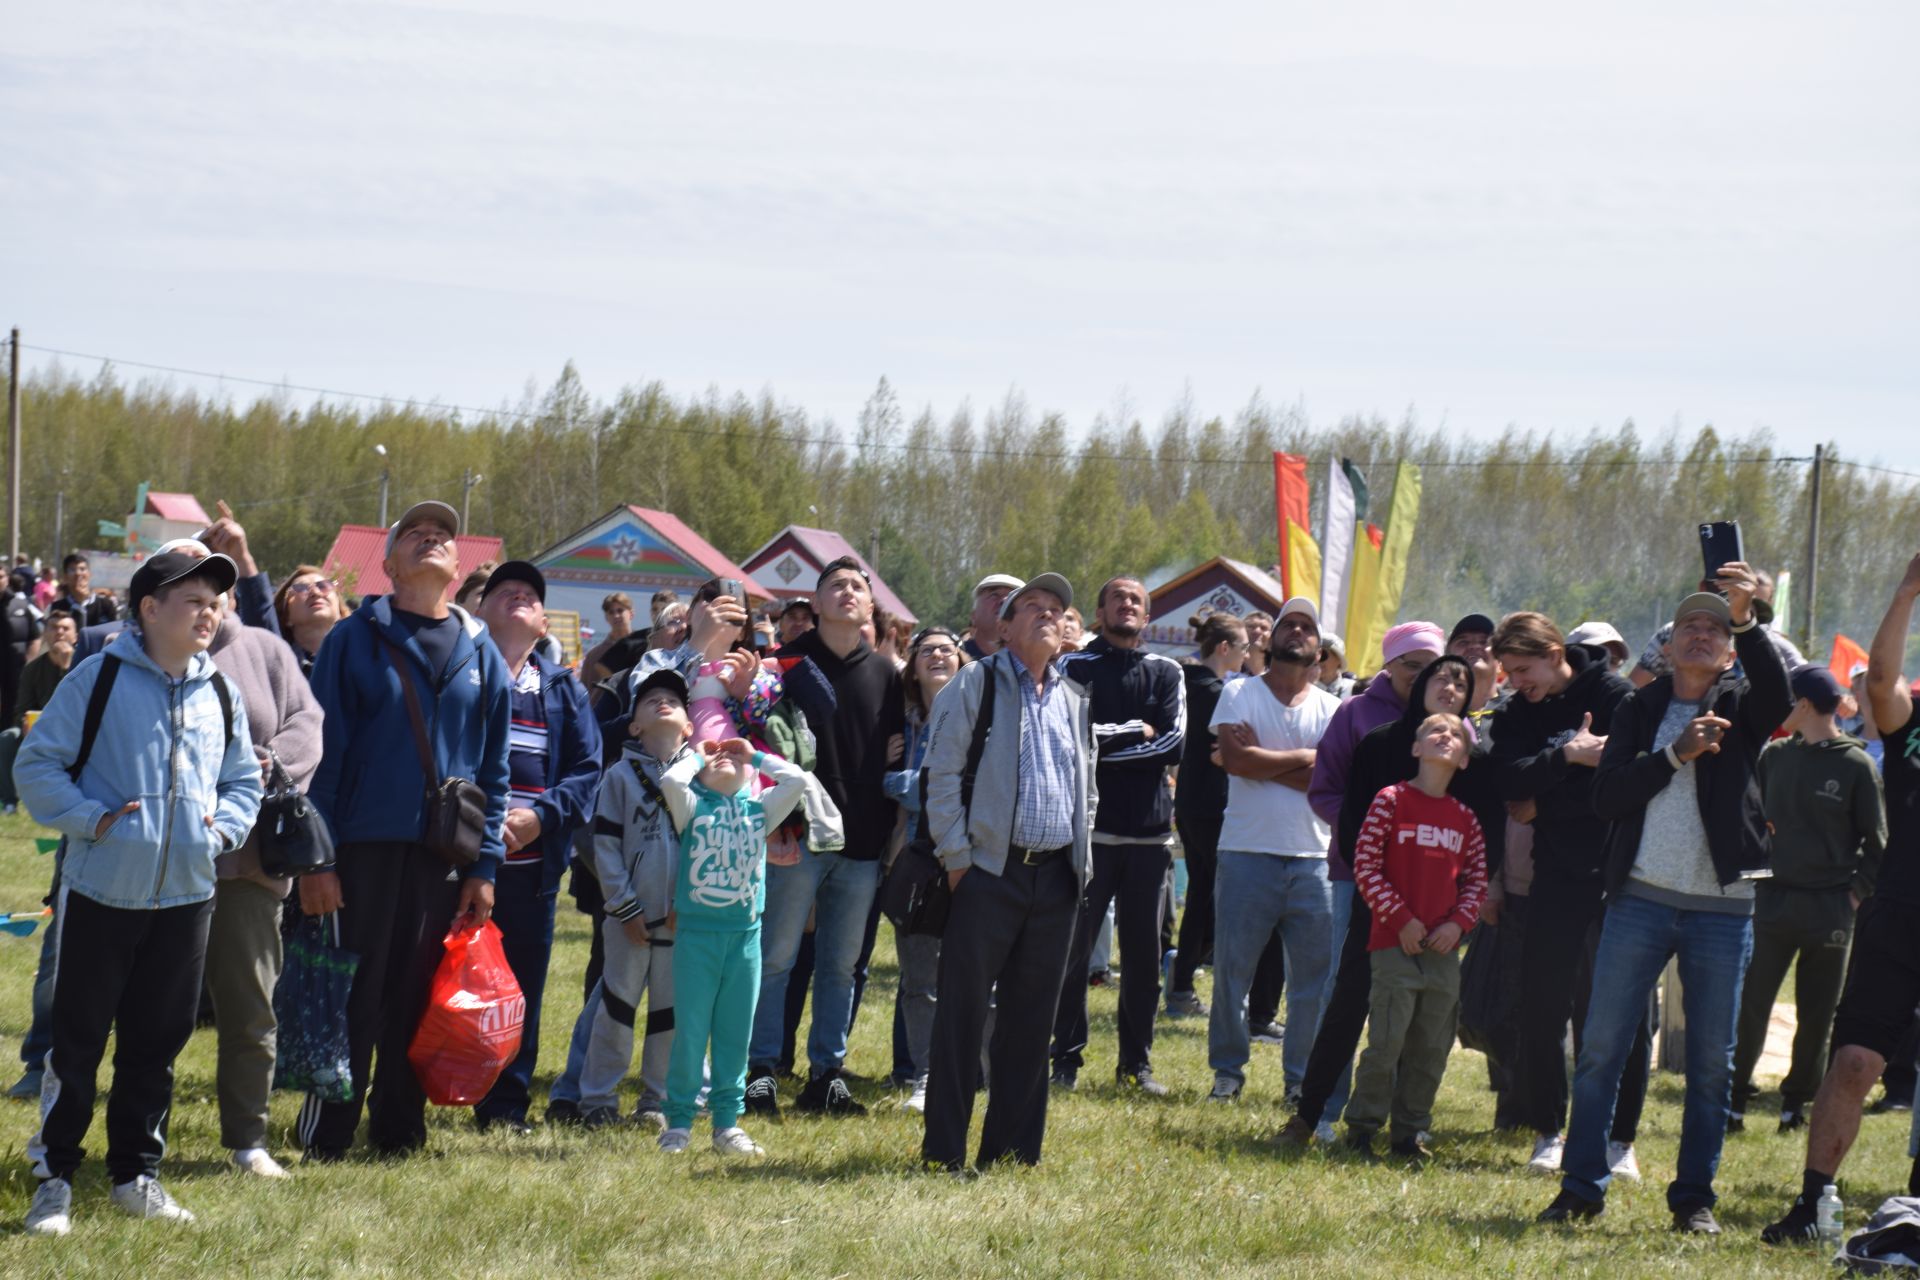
{"type": "Point", "coordinates": [525, 917]}
{"type": "Point", "coordinates": [1341, 1021]}
{"type": "Point", "coordinates": [1013, 932]}
{"type": "Point", "coordinates": [1200, 843]}
{"type": "Point", "coordinates": [1135, 874]}
{"type": "Point", "coordinates": [1563, 929]}
{"type": "Point", "coordinates": [799, 982]}
{"type": "Point", "coordinates": [1816, 925]}
{"type": "Point", "coordinates": [864, 962]}
{"type": "Point", "coordinates": [136, 973]}
{"type": "Point", "coordinates": [399, 903]}
{"type": "Point", "coordinates": [1268, 985]}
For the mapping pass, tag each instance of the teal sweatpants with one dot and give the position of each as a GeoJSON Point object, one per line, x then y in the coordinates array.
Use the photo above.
{"type": "Point", "coordinates": [716, 984]}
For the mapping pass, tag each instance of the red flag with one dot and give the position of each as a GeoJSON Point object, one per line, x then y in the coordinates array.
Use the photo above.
{"type": "Point", "coordinates": [1299, 553]}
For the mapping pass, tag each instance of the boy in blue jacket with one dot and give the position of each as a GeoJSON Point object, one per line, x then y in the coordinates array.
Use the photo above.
{"type": "Point", "coordinates": [719, 895]}
{"type": "Point", "coordinates": [144, 762]}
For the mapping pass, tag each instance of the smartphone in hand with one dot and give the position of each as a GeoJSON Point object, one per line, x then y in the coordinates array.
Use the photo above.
{"type": "Point", "coordinates": [1720, 546]}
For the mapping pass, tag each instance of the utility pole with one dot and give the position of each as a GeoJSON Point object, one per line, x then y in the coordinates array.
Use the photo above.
{"type": "Point", "coordinates": [386, 473]}
{"type": "Point", "coordinates": [13, 448]}
{"type": "Point", "coordinates": [468, 479]}
{"type": "Point", "coordinates": [1812, 591]}
{"type": "Point", "coordinates": [59, 525]}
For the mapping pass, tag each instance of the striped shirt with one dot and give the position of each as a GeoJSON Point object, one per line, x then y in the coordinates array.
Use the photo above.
{"type": "Point", "coordinates": [1043, 805]}
{"type": "Point", "coordinates": [527, 752]}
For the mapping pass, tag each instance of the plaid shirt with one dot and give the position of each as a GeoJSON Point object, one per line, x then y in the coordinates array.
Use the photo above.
{"type": "Point", "coordinates": [1043, 809]}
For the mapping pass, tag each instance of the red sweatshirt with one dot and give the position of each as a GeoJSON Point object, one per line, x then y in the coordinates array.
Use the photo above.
{"type": "Point", "coordinates": [1419, 858]}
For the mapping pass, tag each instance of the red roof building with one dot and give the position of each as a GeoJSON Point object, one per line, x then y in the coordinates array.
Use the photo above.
{"type": "Point", "coordinates": [355, 559]}
{"type": "Point", "coordinates": [790, 566]}
{"type": "Point", "coordinates": [183, 507]}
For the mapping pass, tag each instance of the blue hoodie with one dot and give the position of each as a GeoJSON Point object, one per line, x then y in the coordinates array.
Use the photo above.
{"type": "Point", "coordinates": [161, 742]}
{"type": "Point", "coordinates": [369, 786]}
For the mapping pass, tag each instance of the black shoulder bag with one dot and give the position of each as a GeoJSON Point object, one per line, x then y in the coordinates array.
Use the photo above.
{"type": "Point", "coordinates": [456, 808]}
{"type": "Point", "coordinates": [294, 840]}
{"type": "Point", "coordinates": [915, 896]}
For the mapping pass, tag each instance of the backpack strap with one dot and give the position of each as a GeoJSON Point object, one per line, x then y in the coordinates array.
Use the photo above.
{"type": "Point", "coordinates": [96, 712]}
{"type": "Point", "coordinates": [225, 695]}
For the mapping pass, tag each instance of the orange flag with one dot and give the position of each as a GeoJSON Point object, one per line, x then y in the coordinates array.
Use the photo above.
{"type": "Point", "coordinates": [1299, 553]}
{"type": "Point", "coordinates": [1848, 659]}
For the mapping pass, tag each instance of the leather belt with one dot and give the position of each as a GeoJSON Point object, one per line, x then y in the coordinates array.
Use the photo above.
{"type": "Point", "coordinates": [1034, 857]}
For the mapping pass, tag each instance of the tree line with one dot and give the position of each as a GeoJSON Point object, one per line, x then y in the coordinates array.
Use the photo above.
{"type": "Point", "coordinates": [1596, 526]}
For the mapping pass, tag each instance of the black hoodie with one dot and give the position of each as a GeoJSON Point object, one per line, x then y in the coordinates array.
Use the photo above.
{"type": "Point", "coordinates": [1569, 838]}
{"type": "Point", "coordinates": [869, 708]}
{"type": "Point", "coordinates": [1385, 756]}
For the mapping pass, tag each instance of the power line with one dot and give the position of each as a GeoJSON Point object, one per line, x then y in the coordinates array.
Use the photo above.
{"type": "Point", "coordinates": [948, 450]}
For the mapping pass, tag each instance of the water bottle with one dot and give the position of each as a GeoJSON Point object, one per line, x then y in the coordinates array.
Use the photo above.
{"type": "Point", "coordinates": [1827, 1216]}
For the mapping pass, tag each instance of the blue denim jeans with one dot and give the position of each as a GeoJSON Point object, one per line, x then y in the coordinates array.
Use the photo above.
{"type": "Point", "coordinates": [39, 1037]}
{"type": "Point", "coordinates": [1636, 942]}
{"type": "Point", "coordinates": [1254, 894]}
{"type": "Point", "coordinates": [1343, 891]}
{"type": "Point", "coordinates": [838, 892]}
{"type": "Point", "coordinates": [525, 917]}
{"type": "Point", "coordinates": [567, 1087]}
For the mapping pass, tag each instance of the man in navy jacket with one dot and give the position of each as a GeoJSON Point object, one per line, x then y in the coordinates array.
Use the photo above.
{"type": "Point", "coordinates": [395, 897]}
{"type": "Point", "coordinates": [553, 766]}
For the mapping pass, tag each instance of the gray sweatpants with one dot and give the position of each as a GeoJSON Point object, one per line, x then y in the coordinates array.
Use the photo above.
{"type": "Point", "coordinates": [631, 972]}
{"type": "Point", "coordinates": [243, 966]}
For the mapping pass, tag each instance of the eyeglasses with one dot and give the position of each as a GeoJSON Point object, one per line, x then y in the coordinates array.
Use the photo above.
{"type": "Point", "coordinates": [938, 650]}
{"type": "Point", "coordinates": [325, 586]}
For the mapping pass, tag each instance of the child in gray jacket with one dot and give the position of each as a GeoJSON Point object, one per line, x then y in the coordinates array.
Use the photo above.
{"type": "Point", "coordinates": [635, 847]}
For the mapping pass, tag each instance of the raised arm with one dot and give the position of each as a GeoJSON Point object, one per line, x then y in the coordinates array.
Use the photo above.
{"type": "Point", "coordinates": [1887, 688]}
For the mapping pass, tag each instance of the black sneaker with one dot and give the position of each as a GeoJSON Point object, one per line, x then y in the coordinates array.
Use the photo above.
{"type": "Point", "coordinates": [515, 1125]}
{"type": "Point", "coordinates": [324, 1155]}
{"type": "Point", "coordinates": [1889, 1102]}
{"type": "Point", "coordinates": [601, 1118]}
{"type": "Point", "coordinates": [828, 1095]}
{"type": "Point", "coordinates": [1697, 1221]}
{"type": "Point", "coordinates": [1065, 1079]}
{"type": "Point", "coordinates": [1413, 1149]}
{"type": "Point", "coordinates": [1792, 1120]}
{"type": "Point", "coordinates": [563, 1112]}
{"type": "Point", "coordinates": [1100, 978]}
{"type": "Point", "coordinates": [1568, 1207]}
{"type": "Point", "coordinates": [1359, 1142]}
{"type": "Point", "coordinates": [1143, 1081]}
{"type": "Point", "coordinates": [1268, 1033]}
{"type": "Point", "coordinates": [1736, 1122]}
{"type": "Point", "coordinates": [1800, 1224]}
{"type": "Point", "coordinates": [763, 1094]}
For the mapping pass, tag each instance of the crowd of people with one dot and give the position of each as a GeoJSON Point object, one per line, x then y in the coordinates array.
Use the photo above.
{"type": "Point", "coordinates": [733, 796]}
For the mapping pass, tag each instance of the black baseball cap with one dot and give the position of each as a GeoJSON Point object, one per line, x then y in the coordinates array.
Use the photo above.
{"type": "Point", "coordinates": [1474, 624]}
{"type": "Point", "coordinates": [169, 567]}
{"type": "Point", "coordinates": [1819, 686]}
{"type": "Point", "coordinates": [664, 677]}
{"type": "Point", "coordinates": [517, 571]}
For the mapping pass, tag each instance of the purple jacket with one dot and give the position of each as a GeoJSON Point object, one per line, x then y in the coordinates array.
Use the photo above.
{"type": "Point", "coordinates": [1356, 718]}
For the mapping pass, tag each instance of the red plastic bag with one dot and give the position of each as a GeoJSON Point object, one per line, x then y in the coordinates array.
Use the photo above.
{"type": "Point", "coordinates": [471, 1029]}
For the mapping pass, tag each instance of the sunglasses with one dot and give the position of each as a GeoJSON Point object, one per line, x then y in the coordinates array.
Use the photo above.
{"type": "Point", "coordinates": [325, 586]}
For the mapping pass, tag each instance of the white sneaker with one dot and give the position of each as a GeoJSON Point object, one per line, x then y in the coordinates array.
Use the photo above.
{"type": "Point", "coordinates": [1547, 1152]}
{"type": "Point", "coordinates": [51, 1212]}
{"type": "Point", "coordinates": [735, 1142]}
{"type": "Point", "coordinates": [144, 1197]}
{"type": "Point", "coordinates": [1324, 1134]}
{"type": "Point", "coordinates": [917, 1100]}
{"type": "Point", "coordinates": [257, 1161]}
{"type": "Point", "coordinates": [674, 1141]}
{"type": "Point", "coordinates": [1621, 1162]}
{"type": "Point", "coordinates": [1225, 1089]}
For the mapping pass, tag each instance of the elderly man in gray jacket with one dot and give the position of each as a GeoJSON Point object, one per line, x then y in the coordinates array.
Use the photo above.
{"type": "Point", "coordinates": [1015, 847]}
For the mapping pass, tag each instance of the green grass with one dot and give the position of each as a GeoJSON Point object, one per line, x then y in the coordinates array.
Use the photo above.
{"type": "Point", "coordinates": [1175, 1188]}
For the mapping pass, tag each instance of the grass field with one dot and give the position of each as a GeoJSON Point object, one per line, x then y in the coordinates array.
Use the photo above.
{"type": "Point", "coordinates": [1173, 1188]}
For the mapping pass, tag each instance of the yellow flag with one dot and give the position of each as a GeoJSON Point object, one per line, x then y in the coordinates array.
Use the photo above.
{"type": "Point", "coordinates": [1374, 611]}
{"type": "Point", "coordinates": [1303, 563]}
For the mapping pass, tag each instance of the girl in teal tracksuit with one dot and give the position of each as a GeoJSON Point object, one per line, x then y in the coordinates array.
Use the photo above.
{"type": "Point", "coordinates": [719, 895]}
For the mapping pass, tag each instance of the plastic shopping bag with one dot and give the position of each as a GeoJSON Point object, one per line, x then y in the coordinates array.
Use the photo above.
{"type": "Point", "coordinates": [471, 1029]}
{"type": "Point", "coordinates": [310, 1004]}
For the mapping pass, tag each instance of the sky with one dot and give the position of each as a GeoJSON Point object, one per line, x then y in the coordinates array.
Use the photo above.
{"type": "Point", "coordinates": [1491, 214]}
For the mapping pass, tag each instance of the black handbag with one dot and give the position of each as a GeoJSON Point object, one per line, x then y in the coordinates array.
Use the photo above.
{"type": "Point", "coordinates": [293, 839]}
{"type": "Point", "coordinates": [915, 896]}
{"type": "Point", "coordinates": [456, 808]}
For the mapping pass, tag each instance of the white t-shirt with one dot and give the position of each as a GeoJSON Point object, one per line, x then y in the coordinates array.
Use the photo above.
{"type": "Point", "coordinates": [1267, 817]}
